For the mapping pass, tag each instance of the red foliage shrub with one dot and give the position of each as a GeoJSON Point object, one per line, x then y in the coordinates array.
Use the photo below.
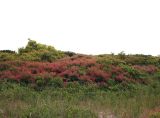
{"type": "Point", "coordinates": [148, 69]}
{"type": "Point", "coordinates": [76, 68]}
{"type": "Point", "coordinates": [86, 78]}
{"type": "Point", "coordinates": [120, 78]}
{"type": "Point", "coordinates": [116, 69]}
{"type": "Point", "coordinates": [97, 73]}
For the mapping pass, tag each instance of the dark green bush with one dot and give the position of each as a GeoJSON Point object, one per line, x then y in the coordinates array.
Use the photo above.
{"type": "Point", "coordinates": [25, 79]}
{"type": "Point", "coordinates": [8, 51]}
{"type": "Point", "coordinates": [70, 54]}
{"type": "Point", "coordinates": [111, 82]}
{"type": "Point", "coordinates": [122, 55]}
{"type": "Point", "coordinates": [56, 82]}
{"type": "Point", "coordinates": [157, 76]}
{"type": "Point", "coordinates": [40, 83]}
{"type": "Point", "coordinates": [73, 78]}
{"type": "Point", "coordinates": [99, 79]}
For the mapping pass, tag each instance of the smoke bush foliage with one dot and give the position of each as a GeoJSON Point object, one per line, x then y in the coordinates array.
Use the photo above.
{"type": "Point", "coordinates": [46, 63]}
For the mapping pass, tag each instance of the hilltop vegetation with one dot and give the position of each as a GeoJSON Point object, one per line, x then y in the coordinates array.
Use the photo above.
{"type": "Point", "coordinates": [42, 62]}
{"type": "Point", "coordinates": [32, 52]}
{"type": "Point", "coordinates": [123, 85]}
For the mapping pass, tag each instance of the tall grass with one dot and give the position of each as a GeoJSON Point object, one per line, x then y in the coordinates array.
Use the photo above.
{"type": "Point", "coordinates": [17, 101]}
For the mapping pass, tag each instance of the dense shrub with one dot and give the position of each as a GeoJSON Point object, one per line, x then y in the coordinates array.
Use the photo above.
{"type": "Point", "coordinates": [8, 51]}
{"type": "Point", "coordinates": [25, 79]}
{"type": "Point", "coordinates": [70, 54]}
{"type": "Point", "coordinates": [4, 66]}
{"type": "Point", "coordinates": [39, 52]}
{"type": "Point", "coordinates": [132, 71]}
{"type": "Point", "coordinates": [147, 69]}
{"type": "Point", "coordinates": [56, 82]}
{"type": "Point", "coordinates": [107, 60]}
{"type": "Point", "coordinates": [142, 60]}
{"type": "Point", "coordinates": [41, 65]}
{"type": "Point", "coordinates": [8, 56]}
{"type": "Point", "coordinates": [98, 74]}
{"type": "Point", "coordinates": [122, 55]}
{"type": "Point", "coordinates": [40, 81]}
{"type": "Point", "coordinates": [83, 69]}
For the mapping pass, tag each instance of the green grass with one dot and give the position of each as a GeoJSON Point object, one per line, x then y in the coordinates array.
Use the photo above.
{"type": "Point", "coordinates": [17, 101]}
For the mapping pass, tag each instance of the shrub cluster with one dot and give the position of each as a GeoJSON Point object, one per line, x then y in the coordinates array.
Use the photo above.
{"type": "Point", "coordinates": [41, 65]}
{"type": "Point", "coordinates": [79, 68]}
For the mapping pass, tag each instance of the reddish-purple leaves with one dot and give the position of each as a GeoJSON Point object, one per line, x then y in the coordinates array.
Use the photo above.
{"type": "Point", "coordinates": [78, 68]}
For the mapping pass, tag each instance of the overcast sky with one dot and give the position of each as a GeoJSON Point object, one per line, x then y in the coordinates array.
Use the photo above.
{"type": "Point", "coordinates": [83, 26]}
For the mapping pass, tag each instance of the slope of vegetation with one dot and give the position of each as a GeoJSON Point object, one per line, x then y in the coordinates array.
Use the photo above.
{"type": "Point", "coordinates": [42, 82]}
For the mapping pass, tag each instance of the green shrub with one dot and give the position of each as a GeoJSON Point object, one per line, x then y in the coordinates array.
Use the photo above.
{"type": "Point", "coordinates": [8, 51]}
{"type": "Point", "coordinates": [73, 78]}
{"type": "Point", "coordinates": [111, 82]}
{"type": "Point", "coordinates": [25, 79]}
{"type": "Point", "coordinates": [82, 70]}
{"type": "Point", "coordinates": [133, 72]}
{"type": "Point", "coordinates": [40, 83]}
{"type": "Point", "coordinates": [157, 76]}
{"type": "Point", "coordinates": [39, 52]}
{"type": "Point", "coordinates": [108, 60]}
{"type": "Point", "coordinates": [140, 59]}
{"type": "Point", "coordinates": [70, 54]}
{"type": "Point", "coordinates": [99, 79]}
{"type": "Point", "coordinates": [46, 56]}
{"type": "Point", "coordinates": [122, 55]}
{"type": "Point", "coordinates": [8, 56]}
{"type": "Point", "coordinates": [73, 84]}
{"type": "Point", "coordinates": [56, 82]}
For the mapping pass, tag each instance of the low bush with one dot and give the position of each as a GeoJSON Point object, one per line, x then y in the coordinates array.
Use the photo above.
{"type": "Point", "coordinates": [56, 82]}
{"type": "Point", "coordinates": [25, 79]}
{"type": "Point", "coordinates": [132, 71]}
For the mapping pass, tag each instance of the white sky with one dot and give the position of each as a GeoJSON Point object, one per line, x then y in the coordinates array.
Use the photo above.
{"type": "Point", "coordinates": [83, 26]}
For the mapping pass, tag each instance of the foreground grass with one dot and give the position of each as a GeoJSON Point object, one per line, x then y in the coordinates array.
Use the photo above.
{"type": "Point", "coordinates": [18, 101]}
